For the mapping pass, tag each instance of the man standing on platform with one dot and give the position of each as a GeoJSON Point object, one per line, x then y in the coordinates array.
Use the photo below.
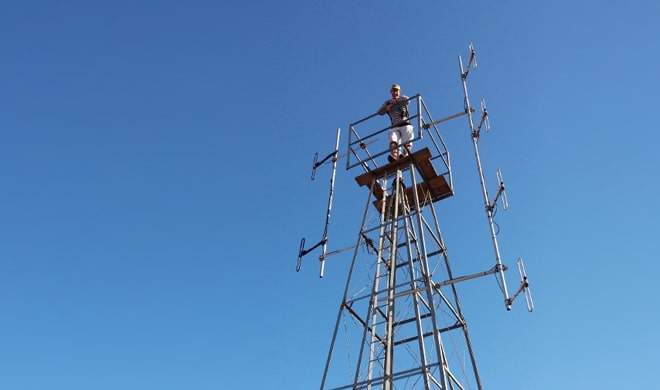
{"type": "Point", "coordinates": [401, 131]}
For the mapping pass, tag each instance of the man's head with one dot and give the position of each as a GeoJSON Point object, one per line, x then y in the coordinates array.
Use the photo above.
{"type": "Point", "coordinates": [395, 90]}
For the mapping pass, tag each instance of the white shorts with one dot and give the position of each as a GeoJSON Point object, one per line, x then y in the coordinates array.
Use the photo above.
{"type": "Point", "coordinates": [402, 135]}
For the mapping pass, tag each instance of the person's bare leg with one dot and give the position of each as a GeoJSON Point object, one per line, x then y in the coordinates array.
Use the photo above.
{"type": "Point", "coordinates": [394, 149]}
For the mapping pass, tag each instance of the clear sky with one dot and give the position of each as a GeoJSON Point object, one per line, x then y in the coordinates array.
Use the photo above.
{"type": "Point", "coordinates": [155, 161]}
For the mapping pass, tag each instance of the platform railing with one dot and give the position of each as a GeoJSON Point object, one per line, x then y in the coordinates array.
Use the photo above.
{"type": "Point", "coordinates": [368, 141]}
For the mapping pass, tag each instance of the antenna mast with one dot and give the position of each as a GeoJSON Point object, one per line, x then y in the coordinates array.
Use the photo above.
{"type": "Point", "coordinates": [490, 205]}
{"type": "Point", "coordinates": [324, 240]}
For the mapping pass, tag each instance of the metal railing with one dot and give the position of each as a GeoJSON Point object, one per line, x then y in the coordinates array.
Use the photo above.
{"type": "Point", "coordinates": [365, 152]}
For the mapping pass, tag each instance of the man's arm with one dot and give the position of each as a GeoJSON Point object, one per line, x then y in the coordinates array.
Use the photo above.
{"type": "Point", "coordinates": [383, 109]}
{"type": "Point", "coordinates": [386, 107]}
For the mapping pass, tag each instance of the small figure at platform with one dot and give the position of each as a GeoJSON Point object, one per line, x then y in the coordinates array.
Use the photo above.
{"type": "Point", "coordinates": [401, 131]}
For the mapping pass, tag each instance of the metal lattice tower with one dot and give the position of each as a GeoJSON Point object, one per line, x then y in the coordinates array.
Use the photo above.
{"type": "Point", "coordinates": [400, 324]}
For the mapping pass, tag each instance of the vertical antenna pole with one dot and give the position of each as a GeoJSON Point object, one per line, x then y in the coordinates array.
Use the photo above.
{"type": "Point", "coordinates": [327, 216]}
{"type": "Point", "coordinates": [475, 142]}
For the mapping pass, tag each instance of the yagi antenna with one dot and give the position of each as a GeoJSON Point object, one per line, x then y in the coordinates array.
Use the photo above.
{"type": "Point", "coordinates": [472, 62]}
{"type": "Point", "coordinates": [500, 195]}
{"type": "Point", "coordinates": [484, 117]}
{"type": "Point", "coordinates": [524, 287]}
{"type": "Point", "coordinates": [324, 240]}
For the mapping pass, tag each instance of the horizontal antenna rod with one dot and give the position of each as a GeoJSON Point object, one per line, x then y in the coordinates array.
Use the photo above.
{"type": "Point", "coordinates": [496, 269]}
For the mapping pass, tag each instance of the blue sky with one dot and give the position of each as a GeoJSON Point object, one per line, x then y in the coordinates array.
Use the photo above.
{"type": "Point", "coordinates": [155, 163]}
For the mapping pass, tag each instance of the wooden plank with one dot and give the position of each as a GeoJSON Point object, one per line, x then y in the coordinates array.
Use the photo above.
{"type": "Point", "coordinates": [391, 168]}
{"type": "Point", "coordinates": [439, 188]}
{"type": "Point", "coordinates": [432, 187]}
{"type": "Point", "coordinates": [432, 191]}
{"type": "Point", "coordinates": [425, 167]}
